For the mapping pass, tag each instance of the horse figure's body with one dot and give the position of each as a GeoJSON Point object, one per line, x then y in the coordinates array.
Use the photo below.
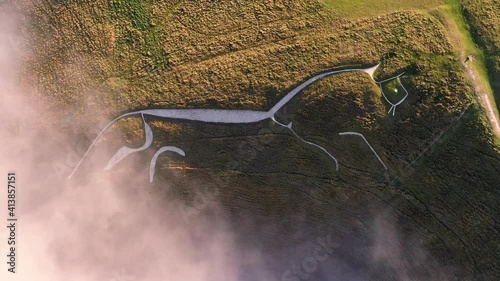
{"type": "Point", "coordinates": [225, 116]}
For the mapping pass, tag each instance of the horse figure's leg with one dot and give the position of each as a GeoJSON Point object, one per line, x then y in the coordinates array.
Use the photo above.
{"type": "Point", "coordinates": [289, 126]}
{"type": "Point", "coordinates": [369, 145]}
{"type": "Point", "coordinates": [152, 164]}
{"type": "Point", "coordinates": [126, 151]}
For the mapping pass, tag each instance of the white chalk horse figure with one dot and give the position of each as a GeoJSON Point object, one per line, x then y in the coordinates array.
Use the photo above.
{"type": "Point", "coordinates": [225, 116]}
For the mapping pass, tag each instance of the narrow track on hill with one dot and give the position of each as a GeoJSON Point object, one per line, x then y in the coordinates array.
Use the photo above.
{"type": "Point", "coordinates": [460, 39]}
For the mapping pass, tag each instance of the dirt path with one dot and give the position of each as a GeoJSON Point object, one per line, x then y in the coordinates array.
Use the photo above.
{"type": "Point", "coordinates": [462, 42]}
{"type": "Point", "coordinates": [484, 98]}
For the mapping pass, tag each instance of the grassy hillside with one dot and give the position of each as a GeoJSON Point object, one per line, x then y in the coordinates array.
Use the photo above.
{"type": "Point", "coordinates": [93, 60]}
